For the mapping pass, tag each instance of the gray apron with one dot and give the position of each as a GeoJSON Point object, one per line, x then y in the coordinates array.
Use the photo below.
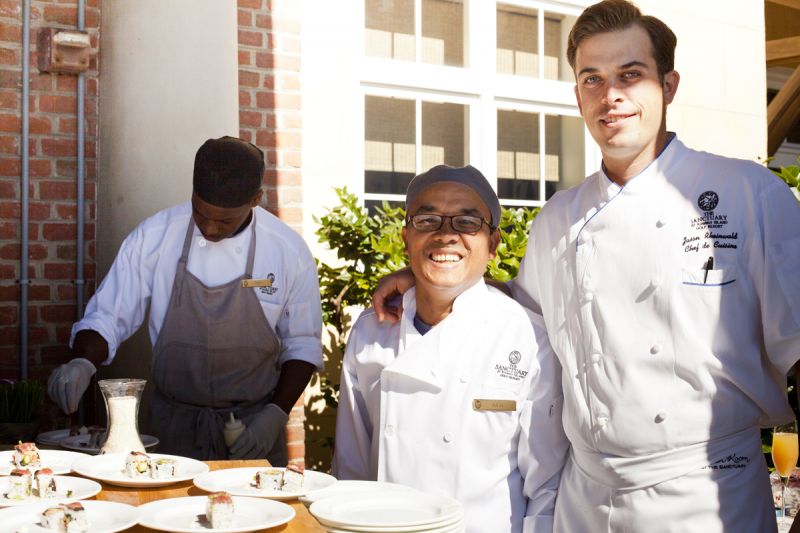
{"type": "Point", "coordinates": [216, 353]}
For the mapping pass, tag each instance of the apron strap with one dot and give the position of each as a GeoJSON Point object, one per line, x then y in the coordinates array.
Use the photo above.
{"type": "Point", "coordinates": [251, 252]}
{"type": "Point", "coordinates": [183, 261]}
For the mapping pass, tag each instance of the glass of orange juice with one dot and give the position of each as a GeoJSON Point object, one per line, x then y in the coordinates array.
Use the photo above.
{"type": "Point", "coordinates": [784, 455]}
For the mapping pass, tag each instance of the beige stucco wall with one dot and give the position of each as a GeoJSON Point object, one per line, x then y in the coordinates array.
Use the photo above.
{"type": "Point", "coordinates": [721, 101]}
{"type": "Point", "coordinates": [168, 82]}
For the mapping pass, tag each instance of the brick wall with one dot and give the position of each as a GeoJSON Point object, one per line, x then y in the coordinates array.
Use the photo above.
{"type": "Point", "coordinates": [269, 116]}
{"type": "Point", "coordinates": [53, 187]}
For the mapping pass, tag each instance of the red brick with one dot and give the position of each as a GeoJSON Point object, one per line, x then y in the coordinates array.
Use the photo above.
{"type": "Point", "coordinates": [8, 314]}
{"type": "Point", "coordinates": [8, 57]}
{"type": "Point", "coordinates": [11, 9]}
{"type": "Point", "coordinates": [250, 118]}
{"type": "Point", "coordinates": [8, 189]}
{"type": "Point", "coordinates": [248, 78]}
{"type": "Point", "coordinates": [67, 252]}
{"type": "Point", "coordinates": [9, 79]}
{"type": "Point", "coordinates": [66, 211]}
{"type": "Point", "coordinates": [251, 38]}
{"type": "Point", "coordinates": [265, 59]}
{"type": "Point", "coordinates": [9, 144]}
{"type": "Point", "coordinates": [291, 215]}
{"type": "Point", "coordinates": [40, 167]}
{"type": "Point", "coordinates": [59, 147]}
{"type": "Point", "coordinates": [264, 21]}
{"type": "Point", "coordinates": [245, 58]}
{"type": "Point", "coordinates": [10, 166]}
{"type": "Point", "coordinates": [41, 82]}
{"type": "Point", "coordinates": [246, 135]}
{"type": "Point", "coordinates": [91, 86]}
{"type": "Point", "coordinates": [65, 292]}
{"type": "Point", "coordinates": [9, 100]}
{"type": "Point", "coordinates": [11, 33]}
{"type": "Point", "coordinates": [61, 15]}
{"type": "Point", "coordinates": [36, 252]}
{"type": "Point", "coordinates": [40, 125]}
{"type": "Point", "coordinates": [245, 17]}
{"type": "Point", "coordinates": [252, 4]}
{"type": "Point", "coordinates": [10, 123]}
{"type": "Point", "coordinates": [266, 139]}
{"type": "Point", "coordinates": [244, 99]}
{"type": "Point", "coordinates": [66, 83]}
{"type": "Point", "coordinates": [59, 271]}
{"type": "Point", "coordinates": [58, 313]}
{"type": "Point", "coordinates": [92, 19]}
{"type": "Point", "coordinates": [67, 125]}
{"type": "Point", "coordinates": [270, 120]}
{"type": "Point", "coordinates": [296, 452]}
{"type": "Point", "coordinates": [265, 100]}
{"type": "Point", "coordinates": [59, 231]}
{"type": "Point", "coordinates": [8, 230]}
{"type": "Point", "coordinates": [57, 104]}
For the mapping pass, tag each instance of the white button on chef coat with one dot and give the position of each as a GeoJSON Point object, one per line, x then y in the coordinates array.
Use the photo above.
{"type": "Point", "coordinates": [602, 421]}
{"type": "Point", "coordinates": [589, 296]}
{"type": "Point", "coordinates": [463, 378]}
{"type": "Point", "coordinates": [201, 242]}
{"type": "Point", "coordinates": [655, 283]}
{"type": "Point", "coordinates": [447, 437]}
{"type": "Point", "coordinates": [660, 417]}
{"type": "Point", "coordinates": [661, 222]}
{"type": "Point", "coordinates": [238, 249]}
{"type": "Point", "coordinates": [655, 349]}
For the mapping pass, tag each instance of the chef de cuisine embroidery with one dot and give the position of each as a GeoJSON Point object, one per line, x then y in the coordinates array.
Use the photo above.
{"type": "Point", "coordinates": [511, 371]}
{"type": "Point", "coordinates": [707, 223]}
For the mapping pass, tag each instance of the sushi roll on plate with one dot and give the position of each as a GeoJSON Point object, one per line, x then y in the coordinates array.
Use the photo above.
{"type": "Point", "coordinates": [219, 510]}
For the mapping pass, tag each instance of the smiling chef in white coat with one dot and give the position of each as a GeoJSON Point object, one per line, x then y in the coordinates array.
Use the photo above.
{"type": "Point", "coordinates": [463, 395]}
{"type": "Point", "coordinates": [668, 285]}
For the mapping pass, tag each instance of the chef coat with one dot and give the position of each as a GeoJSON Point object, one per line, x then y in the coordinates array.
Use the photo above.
{"type": "Point", "coordinates": [406, 411]}
{"type": "Point", "coordinates": [144, 270]}
{"type": "Point", "coordinates": [673, 306]}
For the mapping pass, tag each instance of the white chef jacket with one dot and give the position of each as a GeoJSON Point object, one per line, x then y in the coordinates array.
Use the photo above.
{"type": "Point", "coordinates": [670, 363]}
{"type": "Point", "coordinates": [406, 410]}
{"type": "Point", "coordinates": [144, 270]}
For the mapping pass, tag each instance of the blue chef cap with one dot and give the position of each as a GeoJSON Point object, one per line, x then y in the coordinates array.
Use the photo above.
{"type": "Point", "coordinates": [468, 175]}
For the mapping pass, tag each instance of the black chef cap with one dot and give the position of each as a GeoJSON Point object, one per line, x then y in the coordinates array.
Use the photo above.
{"type": "Point", "coordinates": [468, 175]}
{"type": "Point", "coordinates": [228, 172]}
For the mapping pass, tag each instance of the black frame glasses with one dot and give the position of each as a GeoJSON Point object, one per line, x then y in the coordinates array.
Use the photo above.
{"type": "Point", "coordinates": [429, 222]}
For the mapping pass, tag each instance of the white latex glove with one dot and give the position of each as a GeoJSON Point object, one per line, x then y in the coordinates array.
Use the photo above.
{"type": "Point", "coordinates": [68, 382]}
{"type": "Point", "coordinates": [260, 435]}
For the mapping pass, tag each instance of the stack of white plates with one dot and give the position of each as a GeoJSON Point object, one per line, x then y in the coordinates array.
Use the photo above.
{"type": "Point", "coordinates": [387, 510]}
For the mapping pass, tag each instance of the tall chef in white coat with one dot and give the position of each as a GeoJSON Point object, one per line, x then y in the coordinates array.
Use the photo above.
{"type": "Point", "coordinates": [463, 395]}
{"type": "Point", "coordinates": [235, 316]}
{"type": "Point", "coordinates": [668, 285]}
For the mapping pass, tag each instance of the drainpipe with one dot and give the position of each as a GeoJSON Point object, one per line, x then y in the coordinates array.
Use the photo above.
{"type": "Point", "coordinates": [25, 178]}
{"type": "Point", "coordinates": [79, 281]}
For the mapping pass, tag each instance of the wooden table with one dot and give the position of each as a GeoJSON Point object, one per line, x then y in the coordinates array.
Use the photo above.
{"type": "Point", "coordinates": [303, 522]}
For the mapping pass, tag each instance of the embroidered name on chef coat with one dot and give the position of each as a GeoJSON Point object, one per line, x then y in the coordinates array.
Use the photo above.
{"type": "Point", "coordinates": [708, 231]}
{"type": "Point", "coordinates": [510, 371]}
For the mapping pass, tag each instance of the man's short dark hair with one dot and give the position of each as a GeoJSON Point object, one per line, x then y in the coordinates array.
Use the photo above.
{"type": "Point", "coordinates": [617, 15]}
{"type": "Point", "coordinates": [228, 172]}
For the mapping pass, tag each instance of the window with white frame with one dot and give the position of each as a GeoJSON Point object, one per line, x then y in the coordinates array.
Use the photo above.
{"type": "Point", "coordinates": [471, 82]}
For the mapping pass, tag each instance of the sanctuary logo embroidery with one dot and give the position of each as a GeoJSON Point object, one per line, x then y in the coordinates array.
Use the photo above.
{"type": "Point", "coordinates": [708, 201]}
{"type": "Point", "coordinates": [730, 461]}
{"type": "Point", "coordinates": [272, 289]}
{"type": "Point", "coordinates": [511, 371]}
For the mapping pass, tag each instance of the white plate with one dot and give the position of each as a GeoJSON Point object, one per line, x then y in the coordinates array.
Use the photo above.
{"type": "Point", "coordinates": [104, 517]}
{"type": "Point", "coordinates": [185, 514]}
{"type": "Point", "coordinates": [110, 469]}
{"type": "Point", "coordinates": [59, 460]}
{"type": "Point", "coordinates": [80, 489]}
{"type": "Point", "coordinates": [237, 482]}
{"type": "Point", "coordinates": [52, 438]}
{"type": "Point", "coordinates": [455, 527]}
{"type": "Point", "coordinates": [348, 486]}
{"type": "Point", "coordinates": [81, 443]}
{"type": "Point", "coordinates": [386, 510]}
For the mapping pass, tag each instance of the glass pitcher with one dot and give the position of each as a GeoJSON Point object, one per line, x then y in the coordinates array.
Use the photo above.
{"type": "Point", "coordinates": [122, 397]}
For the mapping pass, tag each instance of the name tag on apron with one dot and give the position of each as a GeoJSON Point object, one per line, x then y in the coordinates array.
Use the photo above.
{"type": "Point", "coordinates": [494, 405]}
{"type": "Point", "coordinates": [247, 283]}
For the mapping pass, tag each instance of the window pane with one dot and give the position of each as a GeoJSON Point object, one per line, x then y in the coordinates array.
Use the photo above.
{"type": "Point", "coordinates": [443, 32]}
{"type": "Point", "coordinates": [389, 30]}
{"type": "Point", "coordinates": [518, 171]}
{"type": "Point", "coordinates": [389, 153]}
{"type": "Point", "coordinates": [564, 153]}
{"type": "Point", "coordinates": [444, 135]}
{"type": "Point", "coordinates": [517, 41]}
{"type": "Point", "coordinates": [556, 32]}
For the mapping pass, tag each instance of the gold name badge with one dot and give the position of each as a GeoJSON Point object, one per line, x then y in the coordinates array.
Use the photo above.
{"type": "Point", "coordinates": [247, 283]}
{"type": "Point", "coordinates": [494, 405]}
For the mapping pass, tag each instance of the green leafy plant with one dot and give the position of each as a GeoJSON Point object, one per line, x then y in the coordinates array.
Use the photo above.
{"type": "Point", "coordinates": [791, 175]}
{"type": "Point", "coordinates": [20, 401]}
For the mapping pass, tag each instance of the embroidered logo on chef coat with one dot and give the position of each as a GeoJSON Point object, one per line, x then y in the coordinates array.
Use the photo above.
{"type": "Point", "coordinates": [272, 289]}
{"type": "Point", "coordinates": [708, 201]}
{"type": "Point", "coordinates": [511, 371]}
{"type": "Point", "coordinates": [730, 461]}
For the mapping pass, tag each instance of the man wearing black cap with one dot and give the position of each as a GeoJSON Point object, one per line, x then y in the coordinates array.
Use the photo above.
{"type": "Point", "coordinates": [234, 308]}
{"type": "Point", "coordinates": [463, 395]}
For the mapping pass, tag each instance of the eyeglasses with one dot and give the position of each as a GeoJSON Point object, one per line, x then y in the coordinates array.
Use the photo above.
{"type": "Point", "coordinates": [460, 223]}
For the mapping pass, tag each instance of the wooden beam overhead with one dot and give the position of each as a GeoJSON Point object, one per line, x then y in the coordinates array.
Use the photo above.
{"type": "Point", "coordinates": [783, 112]}
{"type": "Point", "coordinates": [783, 51]}
{"type": "Point", "coordinates": [794, 4]}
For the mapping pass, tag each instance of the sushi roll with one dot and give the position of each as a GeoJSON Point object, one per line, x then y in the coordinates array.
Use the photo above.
{"type": "Point", "coordinates": [137, 464]}
{"type": "Point", "coordinates": [219, 510]}
{"type": "Point", "coordinates": [26, 455]}
{"type": "Point", "coordinates": [19, 484]}
{"type": "Point", "coordinates": [292, 479]}
{"type": "Point", "coordinates": [45, 483]}
{"type": "Point", "coordinates": [269, 479]}
{"type": "Point", "coordinates": [53, 519]}
{"type": "Point", "coordinates": [163, 468]}
{"type": "Point", "coordinates": [75, 518]}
